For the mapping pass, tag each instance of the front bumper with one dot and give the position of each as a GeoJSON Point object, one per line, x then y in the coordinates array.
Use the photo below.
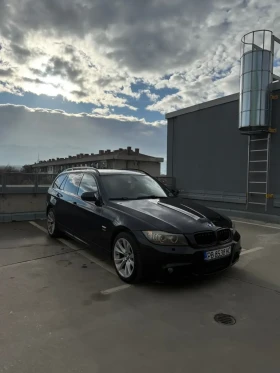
{"type": "Point", "coordinates": [185, 259]}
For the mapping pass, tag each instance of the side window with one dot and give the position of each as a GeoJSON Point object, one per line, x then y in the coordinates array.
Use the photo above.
{"type": "Point", "coordinates": [88, 184]}
{"type": "Point", "coordinates": [63, 183]}
{"type": "Point", "coordinates": [72, 183]}
{"type": "Point", "coordinates": [58, 181]}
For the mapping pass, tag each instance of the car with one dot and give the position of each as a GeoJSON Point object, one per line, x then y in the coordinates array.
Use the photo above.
{"type": "Point", "coordinates": [146, 227]}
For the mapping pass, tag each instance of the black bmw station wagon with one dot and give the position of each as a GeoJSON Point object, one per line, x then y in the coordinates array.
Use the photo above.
{"type": "Point", "coordinates": [145, 226]}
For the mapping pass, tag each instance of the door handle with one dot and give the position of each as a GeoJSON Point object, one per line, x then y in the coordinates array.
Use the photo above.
{"type": "Point", "coordinates": [74, 203]}
{"type": "Point", "coordinates": [58, 195]}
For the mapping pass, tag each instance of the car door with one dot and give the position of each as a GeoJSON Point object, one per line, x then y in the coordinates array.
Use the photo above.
{"type": "Point", "coordinates": [90, 214]}
{"type": "Point", "coordinates": [69, 203]}
{"type": "Point", "coordinates": [56, 196]}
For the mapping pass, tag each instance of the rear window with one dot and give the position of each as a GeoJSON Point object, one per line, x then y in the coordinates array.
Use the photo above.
{"type": "Point", "coordinates": [58, 181]}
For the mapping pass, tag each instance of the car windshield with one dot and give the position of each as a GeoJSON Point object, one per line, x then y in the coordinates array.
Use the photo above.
{"type": "Point", "coordinates": [133, 187]}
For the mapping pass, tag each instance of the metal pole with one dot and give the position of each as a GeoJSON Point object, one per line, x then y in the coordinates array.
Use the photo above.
{"type": "Point", "coordinates": [267, 168]}
{"type": "Point", "coordinates": [248, 173]}
{"type": "Point", "coordinates": [241, 69]}
{"type": "Point", "coordinates": [269, 121]}
{"type": "Point", "coordinates": [271, 78]}
{"type": "Point", "coordinates": [36, 183]}
{"type": "Point", "coordinates": [3, 183]}
{"type": "Point", "coordinates": [251, 85]}
{"type": "Point", "coordinates": [261, 86]}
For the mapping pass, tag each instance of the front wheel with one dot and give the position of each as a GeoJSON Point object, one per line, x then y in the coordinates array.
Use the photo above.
{"type": "Point", "coordinates": [127, 258]}
{"type": "Point", "coordinates": [53, 231]}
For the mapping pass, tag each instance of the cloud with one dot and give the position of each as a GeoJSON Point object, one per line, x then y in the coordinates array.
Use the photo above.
{"type": "Point", "coordinates": [152, 96]}
{"type": "Point", "coordinates": [95, 51]}
{"type": "Point", "coordinates": [101, 113]}
{"type": "Point", "coordinates": [58, 66]}
{"type": "Point", "coordinates": [121, 55]}
{"type": "Point", "coordinates": [6, 72]}
{"type": "Point", "coordinates": [35, 80]}
{"type": "Point", "coordinates": [192, 91]}
{"type": "Point", "coordinates": [25, 132]}
{"type": "Point", "coordinates": [21, 54]}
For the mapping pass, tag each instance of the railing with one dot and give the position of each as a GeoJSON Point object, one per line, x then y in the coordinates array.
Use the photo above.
{"type": "Point", "coordinates": [19, 182]}
{"type": "Point", "coordinates": [215, 196]}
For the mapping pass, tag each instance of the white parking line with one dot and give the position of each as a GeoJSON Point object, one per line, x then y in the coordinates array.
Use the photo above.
{"type": "Point", "coordinates": [38, 226]}
{"type": "Point", "coordinates": [257, 224]}
{"type": "Point", "coordinates": [251, 250]}
{"type": "Point", "coordinates": [79, 251]}
{"type": "Point", "coordinates": [116, 289]}
{"type": "Point", "coordinates": [97, 262]}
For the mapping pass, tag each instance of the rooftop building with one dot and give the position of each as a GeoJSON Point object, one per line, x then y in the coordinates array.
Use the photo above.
{"type": "Point", "coordinates": [117, 159]}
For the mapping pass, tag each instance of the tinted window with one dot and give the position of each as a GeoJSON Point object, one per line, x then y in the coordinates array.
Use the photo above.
{"type": "Point", "coordinates": [88, 184]}
{"type": "Point", "coordinates": [72, 183]}
{"type": "Point", "coordinates": [63, 183]}
{"type": "Point", "coordinates": [132, 186]}
{"type": "Point", "coordinates": [58, 181]}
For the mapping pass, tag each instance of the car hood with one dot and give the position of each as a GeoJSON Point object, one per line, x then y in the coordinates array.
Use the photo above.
{"type": "Point", "coordinates": [174, 214]}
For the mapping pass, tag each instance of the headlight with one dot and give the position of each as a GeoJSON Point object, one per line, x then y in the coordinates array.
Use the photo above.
{"type": "Point", "coordinates": [233, 227]}
{"type": "Point", "coordinates": [163, 238]}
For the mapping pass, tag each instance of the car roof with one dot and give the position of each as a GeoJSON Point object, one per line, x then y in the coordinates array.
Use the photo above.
{"type": "Point", "coordinates": [120, 172]}
{"type": "Point", "coordinates": [106, 171]}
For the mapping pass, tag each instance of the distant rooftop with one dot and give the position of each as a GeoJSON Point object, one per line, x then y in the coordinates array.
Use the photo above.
{"type": "Point", "coordinates": [102, 155]}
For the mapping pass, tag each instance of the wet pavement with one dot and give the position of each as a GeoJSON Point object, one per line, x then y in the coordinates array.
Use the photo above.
{"type": "Point", "coordinates": [63, 310]}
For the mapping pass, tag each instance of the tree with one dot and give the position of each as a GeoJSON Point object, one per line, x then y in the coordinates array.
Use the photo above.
{"type": "Point", "coordinates": [7, 169]}
{"type": "Point", "coordinates": [27, 169]}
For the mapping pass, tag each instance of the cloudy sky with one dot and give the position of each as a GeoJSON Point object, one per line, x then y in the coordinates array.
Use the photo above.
{"type": "Point", "coordinates": [83, 75]}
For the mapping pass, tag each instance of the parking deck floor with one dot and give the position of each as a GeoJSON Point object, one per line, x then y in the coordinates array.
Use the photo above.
{"type": "Point", "coordinates": [62, 309]}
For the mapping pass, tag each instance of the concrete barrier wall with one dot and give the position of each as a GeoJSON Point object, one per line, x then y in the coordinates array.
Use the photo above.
{"type": "Point", "coordinates": [17, 207]}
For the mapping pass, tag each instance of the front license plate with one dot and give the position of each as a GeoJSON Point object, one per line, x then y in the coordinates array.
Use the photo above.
{"type": "Point", "coordinates": [217, 254]}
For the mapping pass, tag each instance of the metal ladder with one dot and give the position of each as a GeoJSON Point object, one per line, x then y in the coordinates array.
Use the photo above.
{"type": "Point", "coordinates": [258, 171]}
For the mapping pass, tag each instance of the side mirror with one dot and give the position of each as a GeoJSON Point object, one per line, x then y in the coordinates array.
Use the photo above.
{"type": "Point", "coordinates": [89, 197]}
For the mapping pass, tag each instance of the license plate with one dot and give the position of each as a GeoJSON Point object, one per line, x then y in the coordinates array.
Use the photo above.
{"type": "Point", "coordinates": [217, 254]}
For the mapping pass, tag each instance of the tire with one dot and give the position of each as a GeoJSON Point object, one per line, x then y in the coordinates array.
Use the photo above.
{"type": "Point", "coordinates": [127, 258]}
{"type": "Point", "coordinates": [53, 231]}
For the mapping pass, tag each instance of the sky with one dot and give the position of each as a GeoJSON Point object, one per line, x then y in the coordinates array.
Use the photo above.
{"type": "Point", "coordinates": [83, 75]}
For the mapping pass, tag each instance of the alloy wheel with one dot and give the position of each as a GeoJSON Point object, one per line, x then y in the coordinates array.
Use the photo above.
{"type": "Point", "coordinates": [51, 222]}
{"type": "Point", "coordinates": [124, 258]}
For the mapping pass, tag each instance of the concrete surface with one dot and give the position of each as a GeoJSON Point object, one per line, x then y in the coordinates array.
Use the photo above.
{"type": "Point", "coordinates": [54, 318]}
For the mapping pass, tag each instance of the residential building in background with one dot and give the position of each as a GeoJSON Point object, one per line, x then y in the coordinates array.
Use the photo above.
{"type": "Point", "coordinates": [117, 159]}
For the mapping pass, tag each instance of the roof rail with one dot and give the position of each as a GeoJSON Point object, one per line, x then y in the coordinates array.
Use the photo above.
{"type": "Point", "coordinates": [134, 169]}
{"type": "Point", "coordinates": [81, 168]}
